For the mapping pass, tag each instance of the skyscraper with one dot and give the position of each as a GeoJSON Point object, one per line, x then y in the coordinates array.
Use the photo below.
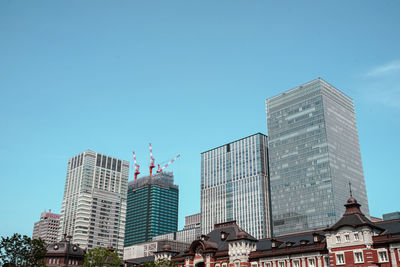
{"type": "Point", "coordinates": [94, 205]}
{"type": "Point", "coordinates": [47, 227]}
{"type": "Point", "coordinates": [152, 208]}
{"type": "Point", "coordinates": [234, 186]}
{"type": "Point", "coordinates": [314, 153]}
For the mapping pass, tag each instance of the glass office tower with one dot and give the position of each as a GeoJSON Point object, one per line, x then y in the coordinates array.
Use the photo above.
{"type": "Point", "coordinates": [314, 153]}
{"type": "Point", "coordinates": [234, 186]}
{"type": "Point", "coordinates": [152, 208]}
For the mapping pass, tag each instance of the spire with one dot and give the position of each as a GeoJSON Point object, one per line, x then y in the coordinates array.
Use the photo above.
{"type": "Point", "coordinates": [351, 193]}
{"type": "Point", "coordinates": [352, 205]}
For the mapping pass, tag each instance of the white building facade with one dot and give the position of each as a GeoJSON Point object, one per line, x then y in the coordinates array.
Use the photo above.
{"type": "Point", "coordinates": [235, 186]}
{"type": "Point", "coordinates": [94, 205]}
{"type": "Point", "coordinates": [47, 227]}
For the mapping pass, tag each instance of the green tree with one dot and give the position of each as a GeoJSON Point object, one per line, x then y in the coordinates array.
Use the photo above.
{"type": "Point", "coordinates": [160, 263]}
{"type": "Point", "coordinates": [20, 250]}
{"type": "Point", "coordinates": [101, 257]}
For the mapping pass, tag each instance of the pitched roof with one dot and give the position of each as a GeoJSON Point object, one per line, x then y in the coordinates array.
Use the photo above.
{"type": "Point", "coordinates": [353, 217]}
{"type": "Point", "coordinates": [219, 238]}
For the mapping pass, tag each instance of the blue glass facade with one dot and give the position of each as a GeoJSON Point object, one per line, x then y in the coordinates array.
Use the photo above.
{"type": "Point", "coordinates": [152, 208]}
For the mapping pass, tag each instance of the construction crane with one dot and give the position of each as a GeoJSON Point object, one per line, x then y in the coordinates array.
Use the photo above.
{"type": "Point", "coordinates": [151, 160]}
{"type": "Point", "coordinates": [136, 166]}
{"type": "Point", "coordinates": [166, 165]}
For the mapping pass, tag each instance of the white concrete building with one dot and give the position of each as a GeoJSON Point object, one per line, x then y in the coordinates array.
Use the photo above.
{"type": "Point", "coordinates": [94, 205]}
{"type": "Point", "coordinates": [47, 227]}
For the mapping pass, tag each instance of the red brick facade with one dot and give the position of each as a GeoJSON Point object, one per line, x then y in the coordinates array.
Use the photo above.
{"type": "Point", "coordinates": [353, 241]}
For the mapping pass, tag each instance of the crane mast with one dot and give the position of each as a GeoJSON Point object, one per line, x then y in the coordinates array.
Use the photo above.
{"type": "Point", "coordinates": [136, 166]}
{"type": "Point", "coordinates": [151, 167]}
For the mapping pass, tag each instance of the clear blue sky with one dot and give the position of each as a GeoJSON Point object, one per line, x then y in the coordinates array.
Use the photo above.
{"type": "Point", "coordinates": [188, 76]}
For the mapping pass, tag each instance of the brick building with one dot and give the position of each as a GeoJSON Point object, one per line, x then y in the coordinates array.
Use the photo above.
{"type": "Point", "coordinates": [353, 241]}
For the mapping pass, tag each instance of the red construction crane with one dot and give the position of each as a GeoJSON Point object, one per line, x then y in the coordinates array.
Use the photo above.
{"type": "Point", "coordinates": [136, 166]}
{"type": "Point", "coordinates": [151, 160]}
{"type": "Point", "coordinates": [166, 165]}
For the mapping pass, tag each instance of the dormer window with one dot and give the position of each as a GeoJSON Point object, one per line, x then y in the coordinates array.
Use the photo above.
{"type": "Point", "coordinates": [273, 244]}
{"type": "Point", "coordinates": [338, 240]}
{"type": "Point", "coordinates": [224, 236]}
{"type": "Point", "coordinates": [303, 242]}
{"type": "Point", "coordinates": [316, 238]}
{"type": "Point", "coordinates": [204, 237]}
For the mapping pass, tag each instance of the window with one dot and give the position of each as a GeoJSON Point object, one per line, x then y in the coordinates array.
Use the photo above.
{"type": "Point", "coordinates": [311, 262]}
{"type": "Point", "coordinates": [296, 263]}
{"type": "Point", "coordinates": [281, 264]}
{"type": "Point", "coordinates": [327, 261]}
{"type": "Point", "coordinates": [254, 264]}
{"type": "Point", "coordinates": [356, 237]}
{"type": "Point", "coordinates": [358, 257]}
{"type": "Point", "coordinates": [267, 264]}
{"type": "Point", "coordinates": [237, 264]}
{"type": "Point", "coordinates": [347, 237]}
{"type": "Point", "coordinates": [217, 265]}
{"type": "Point", "coordinates": [340, 259]}
{"type": "Point", "coordinates": [338, 239]}
{"type": "Point", "coordinates": [382, 255]}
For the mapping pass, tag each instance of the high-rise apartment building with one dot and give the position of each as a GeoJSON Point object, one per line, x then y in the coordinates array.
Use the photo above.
{"type": "Point", "coordinates": [47, 227]}
{"type": "Point", "coordinates": [152, 208]}
{"type": "Point", "coordinates": [94, 205]}
{"type": "Point", "coordinates": [234, 186]}
{"type": "Point", "coordinates": [314, 153]}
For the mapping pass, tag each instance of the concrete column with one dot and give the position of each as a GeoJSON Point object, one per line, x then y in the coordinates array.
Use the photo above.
{"type": "Point", "coordinates": [319, 261]}
{"type": "Point", "coordinates": [303, 262]}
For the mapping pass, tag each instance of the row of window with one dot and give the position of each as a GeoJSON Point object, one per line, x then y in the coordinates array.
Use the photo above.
{"type": "Point", "coordinates": [356, 237]}
{"type": "Point", "coordinates": [57, 261]}
{"type": "Point", "coordinates": [295, 263]}
{"type": "Point", "coordinates": [359, 258]}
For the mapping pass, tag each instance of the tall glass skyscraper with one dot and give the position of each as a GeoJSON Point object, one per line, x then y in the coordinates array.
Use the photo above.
{"type": "Point", "coordinates": [94, 205]}
{"type": "Point", "coordinates": [152, 208]}
{"type": "Point", "coordinates": [234, 186]}
{"type": "Point", "coordinates": [314, 153]}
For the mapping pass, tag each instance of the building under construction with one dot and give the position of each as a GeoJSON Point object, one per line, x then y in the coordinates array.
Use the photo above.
{"type": "Point", "coordinates": [152, 208]}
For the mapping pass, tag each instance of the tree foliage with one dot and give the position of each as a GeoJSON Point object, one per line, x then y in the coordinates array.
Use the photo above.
{"type": "Point", "coordinates": [20, 250]}
{"type": "Point", "coordinates": [101, 257]}
{"type": "Point", "coordinates": [160, 263]}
